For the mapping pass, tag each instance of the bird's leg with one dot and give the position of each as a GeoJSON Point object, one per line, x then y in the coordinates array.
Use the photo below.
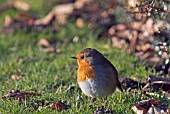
{"type": "Point", "coordinates": [91, 102]}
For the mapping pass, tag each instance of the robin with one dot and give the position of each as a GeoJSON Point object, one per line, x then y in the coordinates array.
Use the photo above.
{"type": "Point", "coordinates": [96, 77]}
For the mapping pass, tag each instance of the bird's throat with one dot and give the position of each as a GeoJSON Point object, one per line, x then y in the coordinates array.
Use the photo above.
{"type": "Point", "coordinates": [85, 72]}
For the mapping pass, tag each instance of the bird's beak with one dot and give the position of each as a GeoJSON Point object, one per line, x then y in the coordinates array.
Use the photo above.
{"type": "Point", "coordinates": [74, 57]}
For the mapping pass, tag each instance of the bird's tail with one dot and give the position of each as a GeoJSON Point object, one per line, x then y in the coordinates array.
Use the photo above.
{"type": "Point", "coordinates": [119, 86]}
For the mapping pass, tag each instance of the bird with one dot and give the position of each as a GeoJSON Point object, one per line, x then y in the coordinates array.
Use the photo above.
{"type": "Point", "coordinates": [96, 75]}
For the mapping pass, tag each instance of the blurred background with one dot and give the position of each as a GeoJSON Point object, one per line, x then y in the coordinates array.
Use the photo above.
{"type": "Point", "coordinates": [137, 26]}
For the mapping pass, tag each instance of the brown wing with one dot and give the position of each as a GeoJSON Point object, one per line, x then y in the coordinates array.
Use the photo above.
{"type": "Point", "coordinates": [114, 74]}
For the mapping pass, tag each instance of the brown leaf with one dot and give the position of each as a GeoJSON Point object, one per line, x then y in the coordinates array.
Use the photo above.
{"type": "Point", "coordinates": [16, 76]}
{"type": "Point", "coordinates": [43, 42]}
{"type": "Point", "coordinates": [60, 12]}
{"type": "Point", "coordinates": [155, 110]}
{"type": "Point", "coordinates": [133, 3]}
{"type": "Point", "coordinates": [146, 55]}
{"type": "Point", "coordinates": [150, 106]}
{"type": "Point", "coordinates": [25, 18]}
{"type": "Point", "coordinates": [136, 25]}
{"type": "Point", "coordinates": [119, 27]}
{"type": "Point", "coordinates": [157, 25]}
{"type": "Point", "coordinates": [119, 43]}
{"type": "Point", "coordinates": [12, 93]}
{"type": "Point", "coordinates": [80, 23]}
{"type": "Point", "coordinates": [8, 21]}
{"type": "Point", "coordinates": [59, 106]}
{"type": "Point", "coordinates": [21, 5]}
{"type": "Point", "coordinates": [46, 20]}
{"type": "Point", "coordinates": [138, 110]}
{"type": "Point", "coordinates": [19, 95]}
{"type": "Point", "coordinates": [155, 59]}
{"type": "Point", "coordinates": [124, 34]}
{"type": "Point", "coordinates": [132, 84]}
{"type": "Point", "coordinates": [24, 95]}
{"type": "Point", "coordinates": [80, 3]}
{"type": "Point", "coordinates": [144, 47]}
{"type": "Point", "coordinates": [112, 31]}
{"type": "Point", "coordinates": [156, 83]}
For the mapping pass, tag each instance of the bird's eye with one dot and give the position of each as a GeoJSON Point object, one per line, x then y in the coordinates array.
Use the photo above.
{"type": "Point", "coordinates": [82, 57]}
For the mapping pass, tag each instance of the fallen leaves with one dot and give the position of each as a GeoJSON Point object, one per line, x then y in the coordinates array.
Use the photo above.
{"type": "Point", "coordinates": [12, 93]}
{"type": "Point", "coordinates": [138, 36]}
{"type": "Point", "coordinates": [19, 74]}
{"type": "Point", "coordinates": [18, 95]}
{"type": "Point", "coordinates": [47, 47]}
{"type": "Point", "coordinates": [18, 4]}
{"type": "Point", "coordinates": [59, 106]}
{"type": "Point", "coordinates": [59, 12]}
{"type": "Point", "coordinates": [154, 83]}
{"type": "Point", "coordinates": [43, 42]}
{"type": "Point", "coordinates": [130, 84]}
{"type": "Point", "coordinates": [80, 23]}
{"type": "Point", "coordinates": [150, 107]}
{"type": "Point", "coordinates": [15, 76]}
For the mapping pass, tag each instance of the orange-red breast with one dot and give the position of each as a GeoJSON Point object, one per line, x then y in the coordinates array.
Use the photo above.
{"type": "Point", "coordinates": [97, 77]}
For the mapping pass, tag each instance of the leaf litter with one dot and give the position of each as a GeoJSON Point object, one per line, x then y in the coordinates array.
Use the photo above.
{"type": "Point", "coordinates": [152, 85]}
{"type": "Point", "coordinates": [145, 38]}
{"type": "Point", "coordinates": [18, 95]}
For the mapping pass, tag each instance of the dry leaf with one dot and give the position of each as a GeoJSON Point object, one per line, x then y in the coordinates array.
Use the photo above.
{"type": "Point", "coordinates": [19, 95]}
{"type": "Point", "coordinates": [25, 18]}
{"type": "Point", "coordinates": [150, 107]}
{"type": "Point", "coordinates": [120, 27]}
{"type": "Point", "coordinates": [59, 106]}
{"type": "Point", "coordinates": [16, 76]}
{"type": "Point", "coordinates": [138, 110]}
{"type": "Point", "coordinates": [12, 93]}
{"type": "Point", "coordinates": [24, 95]}
{"type": "Point", "coordinates": [43, 42]}
{"type": "Point", "coordinates": [59, 11]}
{"type": "Point", "coordinates": [136, 25]}
{"type": "Point", "coordinates": [80, 23]}
{"type": "Point", "coordinates": [132, 84]}
{"type": "Point", "coordinates": [8, 20]}
{"type": "Point", "coordinates": [146, 55]}
{"type": "Point", "coordinates": [119, 43]}
{"type": "Point", "coordinates": [80, 3]}
{"type": "Point", "coordinates": [112, 31]}
{"type": "Point", "coordinates": [21, 5]}
{"type": "Point", "coordinates": [156, 83]}
{"type": "Point", "coordinates": [133, 3]}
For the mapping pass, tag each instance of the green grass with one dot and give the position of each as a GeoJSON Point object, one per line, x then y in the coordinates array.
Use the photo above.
{"type": "Point", "coordinates": [50, 74]}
